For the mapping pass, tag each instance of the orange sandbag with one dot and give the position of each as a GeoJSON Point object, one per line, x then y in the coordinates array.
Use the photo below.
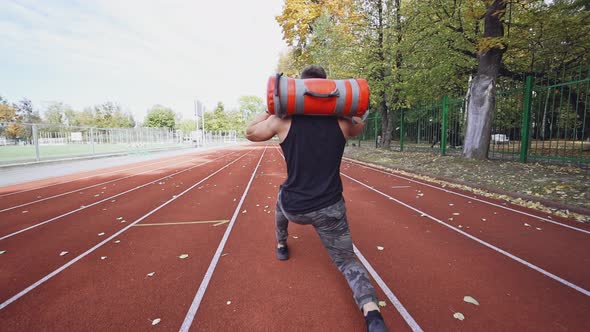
{"type": "Point", "coordinates": [317, 96]}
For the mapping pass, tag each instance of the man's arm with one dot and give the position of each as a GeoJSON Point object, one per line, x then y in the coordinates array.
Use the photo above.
{"type": "Point", "coordinates": [261, 128]}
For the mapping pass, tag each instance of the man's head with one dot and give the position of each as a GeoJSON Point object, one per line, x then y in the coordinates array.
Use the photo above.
{"type": "Point", "coordinates": [313, 71]}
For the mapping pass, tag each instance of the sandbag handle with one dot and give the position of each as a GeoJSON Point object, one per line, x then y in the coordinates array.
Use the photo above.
{"type": "Point", "coordinates": [277, 83]}
{"type": "Point", "coordinates": [334, 93]}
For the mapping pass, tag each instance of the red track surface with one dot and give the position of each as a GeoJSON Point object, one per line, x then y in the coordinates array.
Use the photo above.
{"type": "Point", "coordinates": [527, 272]}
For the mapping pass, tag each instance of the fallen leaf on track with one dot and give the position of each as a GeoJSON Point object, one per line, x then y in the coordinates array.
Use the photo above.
{"type": "Point", "coordinates": [456, 213]}
{"type": "Point", "coordinates": [183, 256]}
{"type": "Point", "coordinates": [244, 211]}
{"type": "Point", "coordinates": [151, 274]}
{"type": "Point", "coordinates": [63, 253]}
{"type": "Point", "coordinates": [380, 248]}
{"type": "Point", "coordinates": [228, 302]}
{"type": "Point", "coordinates": [469, 299]}
{"type": "Point", "coordinates": [2, 252]}
{"type": "Point", "coordinates": [103, 257]}
{"type": "Point", "coordinates": [527, 225]}
{"type": "Point", "coordinates": [120, 218]}
{"type": "Point", "coordinates": [382, 303]}
{"type": "Point", "coordinates": [117, 241]}
{"type": "Point", "coordinates": [156, 321]}
{"type": "Point", "coordinates": [101, 234]}
{"type": "Point", "coordinates": [459, 316]}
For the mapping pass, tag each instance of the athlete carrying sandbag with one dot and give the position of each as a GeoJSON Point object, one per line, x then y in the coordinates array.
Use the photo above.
{"type": "Point", "coordinates": [313, 146]}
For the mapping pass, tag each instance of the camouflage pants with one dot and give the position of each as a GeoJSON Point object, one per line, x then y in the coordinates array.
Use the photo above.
{"type": "Point", "coordinates": [332, 226]}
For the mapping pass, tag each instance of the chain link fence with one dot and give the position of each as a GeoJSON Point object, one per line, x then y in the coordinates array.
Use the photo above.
{"type": "Point", "coordinates": [27, 143]}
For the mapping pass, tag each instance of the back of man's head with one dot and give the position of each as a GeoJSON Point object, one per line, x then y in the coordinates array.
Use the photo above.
{"type": "Point", "coordinates": [313, 71]}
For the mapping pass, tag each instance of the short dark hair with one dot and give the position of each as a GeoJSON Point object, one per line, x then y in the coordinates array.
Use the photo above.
{"type": "Point", "coordinates": [313, 71]}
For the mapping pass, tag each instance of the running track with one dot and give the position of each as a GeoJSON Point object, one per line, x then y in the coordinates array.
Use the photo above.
{"type": "Point", "coordinates": [124, 228]}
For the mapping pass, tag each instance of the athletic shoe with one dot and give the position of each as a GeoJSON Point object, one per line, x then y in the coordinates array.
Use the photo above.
{"type": "Point", "coordinates": [283, 253]}
{"type": "Point", "coordinates": [375, 322]}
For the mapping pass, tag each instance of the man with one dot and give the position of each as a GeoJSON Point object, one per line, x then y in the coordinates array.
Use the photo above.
{"type": "Point", "coordinates": [312, 194]}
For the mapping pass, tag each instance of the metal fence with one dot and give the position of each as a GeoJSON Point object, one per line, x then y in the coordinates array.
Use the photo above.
{"type": "Point", "coordinates": [543, 119]}
{"type": "Point", "coordinates": [25, 143]}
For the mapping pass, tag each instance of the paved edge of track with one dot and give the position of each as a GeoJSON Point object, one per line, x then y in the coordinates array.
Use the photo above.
{"type": "Point", "coordinates": [87, 252]}
{"type": "Point", "coordinates": [188, 320]}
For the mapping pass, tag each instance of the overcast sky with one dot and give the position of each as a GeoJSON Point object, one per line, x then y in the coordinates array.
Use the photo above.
{"type": "Point", "coordinates": [137, 52]}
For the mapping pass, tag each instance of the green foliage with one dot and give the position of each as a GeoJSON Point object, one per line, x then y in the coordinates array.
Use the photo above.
{"type": "Point", "coordinates": [160, 116]}
{"type": "Point", "coordinates": [187, 125]}
{"type": "Point", "coordinates": [110, 115]}
{"type": "Point", "coordinates": [250, 106]}
{"type": "Point", "coordinates": [223, 120]}
{"type": "Point", "coordinates": [56, 113]}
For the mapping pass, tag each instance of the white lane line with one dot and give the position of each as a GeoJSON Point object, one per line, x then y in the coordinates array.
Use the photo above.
{"type": "Point", "coordinates": [103, 200]}
{"type": "Point", "coordinates": [192, 311]}
{"type": "Point", "coordinates": [392, 298]}
{"type": "Point", "coordinates": [89, 251]}
{"type": "Point", "coordinates": [94, 185]}
{"type": "Point", "coordinates": [472, 198]}
{"type": "Point", "coordinates": [216, 222]}
{"type": "Point", "coordinates": [86, 177]}
{"type": "Point", "coordinates": [505, 253]}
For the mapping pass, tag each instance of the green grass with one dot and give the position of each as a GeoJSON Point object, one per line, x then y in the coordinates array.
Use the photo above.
{"type": "Point", "coordinates": [26, 153]}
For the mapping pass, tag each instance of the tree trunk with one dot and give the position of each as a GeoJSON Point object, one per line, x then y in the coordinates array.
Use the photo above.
{"type": "Point", "coordinates": [482, 101]}
{"type": "Point", "coordinates": [385, 132]}
{"type": "Point", "coordinates": [479, 121]}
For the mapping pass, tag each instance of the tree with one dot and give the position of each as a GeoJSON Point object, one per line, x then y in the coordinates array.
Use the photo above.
{"type": "Point", "coordinates": [160, 116]}
{"type": "Point", "coordinates": [56, 113]}
{"type": "Point", "coordinates": [7, 111]}
{"type": "Point", "coordinates": [186, 125]}
{"type": "Point", "coordinates": [250, 106]}
{"type": "Point", "coordinates": [111, 115]}
{"type": "Point", "coordinates": [482, 92]}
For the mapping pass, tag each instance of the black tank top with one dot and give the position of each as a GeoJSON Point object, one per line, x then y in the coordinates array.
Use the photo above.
{"type": "Point", "coordinates": [313, 151]}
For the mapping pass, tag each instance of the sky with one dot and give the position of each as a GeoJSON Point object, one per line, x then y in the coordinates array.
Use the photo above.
{"type": "Point", "coordinates": [138, 53]}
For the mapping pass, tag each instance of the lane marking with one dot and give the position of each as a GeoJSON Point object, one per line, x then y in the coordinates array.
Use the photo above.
{"type": "Point", "coordinates": [95, 185]}
{"type": "Point", "coordinates": [216, 222]}
{"type": "Point", "coordinates": [471, 198]}
{"type": "Point", "coordinates": [89, 251]}
{"type": "Point", "coordinates": [192, 311]}
{"type": "Point", "coordinates": [503, 252]}
{"type": "Point", "coordinates": [392, 298]}
{"type": "Point", "coordinates": [103, 200]}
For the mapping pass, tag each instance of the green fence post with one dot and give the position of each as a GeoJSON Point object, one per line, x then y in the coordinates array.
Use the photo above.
{"type": "Point", "coordinates": [526, 118]}
{"type": "Point", "coordinates": [443, 131]}
{"type": "Point", "coordinates": [401, 130]}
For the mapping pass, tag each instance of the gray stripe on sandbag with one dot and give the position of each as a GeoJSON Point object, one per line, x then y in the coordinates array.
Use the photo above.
{"type": "Point", "coordinates": [355, 96]}
{"type": "Point", "coordinates": [340, 102]}
{"type": "Point", "coordinates": [299, 96]}
{"type": "Point", "coordinates": [284, 96]}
